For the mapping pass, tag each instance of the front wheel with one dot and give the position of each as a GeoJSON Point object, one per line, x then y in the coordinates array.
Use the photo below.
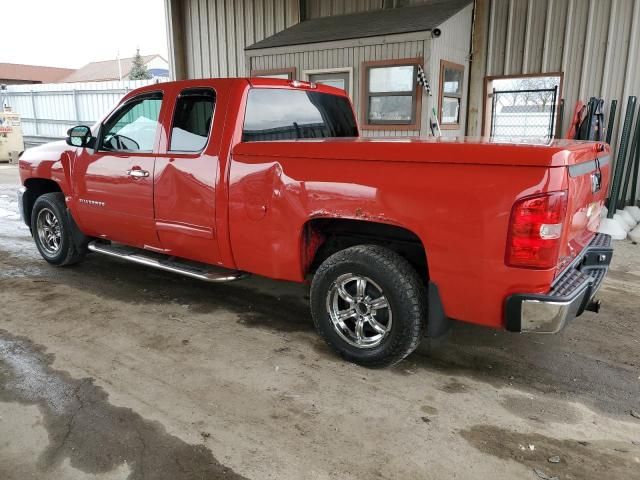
{"type": "Point", "coordinates": [369, 304]}
{"type": "Point", "coordinates": [52, 231]}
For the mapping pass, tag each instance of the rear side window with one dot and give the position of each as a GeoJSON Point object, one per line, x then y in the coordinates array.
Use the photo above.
{"type": "Point", "coordinates": [192, 120]}
{"type": "Point", "coordinates": [279, 114]}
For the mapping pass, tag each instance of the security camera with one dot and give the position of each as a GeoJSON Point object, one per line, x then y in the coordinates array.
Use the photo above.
{"type": "Point", "coordinates": [436, 32]}
{"type": "Point", "coordinates": [3, 87]}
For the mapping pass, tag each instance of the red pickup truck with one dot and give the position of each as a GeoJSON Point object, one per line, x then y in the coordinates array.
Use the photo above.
{"type": "Point", "coordinates": [219, 178]}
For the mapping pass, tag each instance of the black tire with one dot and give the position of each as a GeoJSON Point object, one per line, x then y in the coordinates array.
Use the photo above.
{"type": "Point", "coordinates": [68, 253]}
{"type": "Point", "coordinates": [397, 281]}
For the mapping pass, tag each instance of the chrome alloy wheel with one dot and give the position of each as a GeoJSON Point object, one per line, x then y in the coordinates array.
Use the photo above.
{"type": "Point", "coordinates": [48, 229]}
{"type": "Point", "coordinates": [359, 311]}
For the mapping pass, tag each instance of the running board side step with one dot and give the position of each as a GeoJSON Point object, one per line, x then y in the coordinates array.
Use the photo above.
{"type": "Point", "coordinates": [200, 271]}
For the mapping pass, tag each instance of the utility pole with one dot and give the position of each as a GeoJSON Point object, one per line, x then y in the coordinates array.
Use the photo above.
{"type": "Point", "coordinates": [119, 65]}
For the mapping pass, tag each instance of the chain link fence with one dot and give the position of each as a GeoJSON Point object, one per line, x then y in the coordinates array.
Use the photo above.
{"type": "Point", "coordinates": [523, 113]}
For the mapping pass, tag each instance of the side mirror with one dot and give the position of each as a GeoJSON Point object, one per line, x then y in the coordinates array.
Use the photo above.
{"type": "Point", "coordinates": [79, 136]}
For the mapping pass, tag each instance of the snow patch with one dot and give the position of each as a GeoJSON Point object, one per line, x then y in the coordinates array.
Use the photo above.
{"type": "Point", "coordinates": [9, 214]}
{"type": "Point", "coordinates": [612, 227]}
{"type": "Point", "coordinates": [634, 212]}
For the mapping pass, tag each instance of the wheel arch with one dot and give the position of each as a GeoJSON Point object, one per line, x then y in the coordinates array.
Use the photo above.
{"type": "Point", "coordinates": [35, 187]}
{"type": "Point", "coordinates": [323, 237]}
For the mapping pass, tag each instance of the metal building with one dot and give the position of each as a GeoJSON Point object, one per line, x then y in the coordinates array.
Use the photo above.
{"type": "Point", "coordinates": [593, 46]}
{"type": "Point", "coordinates": [345, 44]}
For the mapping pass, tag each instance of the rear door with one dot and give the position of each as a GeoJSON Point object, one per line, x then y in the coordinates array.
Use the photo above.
{"type": "Point", "coordinates": [114, 182]}
{"type": "Point", "coordinates": [187, 169]}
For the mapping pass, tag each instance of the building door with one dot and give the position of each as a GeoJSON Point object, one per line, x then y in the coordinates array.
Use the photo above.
{"type": "Point", "coordinates": [332, 79]}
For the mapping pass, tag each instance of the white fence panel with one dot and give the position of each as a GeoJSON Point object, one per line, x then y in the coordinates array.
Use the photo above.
{"type": "Point", "coordinates": [49, 110]}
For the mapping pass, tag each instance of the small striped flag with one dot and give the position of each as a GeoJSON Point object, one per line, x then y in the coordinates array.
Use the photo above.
{"type": "Point", "coordinates": [422, 80]}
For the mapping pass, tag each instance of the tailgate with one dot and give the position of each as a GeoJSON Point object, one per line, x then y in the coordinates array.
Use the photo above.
{"type": "Point", "coordinates": [588, 182]}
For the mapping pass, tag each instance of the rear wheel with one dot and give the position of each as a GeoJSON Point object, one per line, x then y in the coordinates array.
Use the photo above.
{"type": "Point", "coordinates": [369, 304]}
{"type": "Point", "coordinates": [52, 231]}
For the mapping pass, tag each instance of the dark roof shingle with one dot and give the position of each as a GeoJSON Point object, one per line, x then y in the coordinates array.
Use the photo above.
{"type": "Point", "coordinates": [367, 24]}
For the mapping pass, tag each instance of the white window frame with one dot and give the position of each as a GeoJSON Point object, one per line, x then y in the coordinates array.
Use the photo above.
{"type": "Point", "coordinates": [307, 73]}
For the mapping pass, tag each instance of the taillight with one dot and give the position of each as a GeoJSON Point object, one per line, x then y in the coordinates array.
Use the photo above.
{"type": "Point", "coordinates": [535, 229]}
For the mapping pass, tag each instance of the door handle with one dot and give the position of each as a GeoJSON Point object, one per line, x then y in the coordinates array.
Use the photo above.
{"type": "Point", "coordinates": [137, 173]}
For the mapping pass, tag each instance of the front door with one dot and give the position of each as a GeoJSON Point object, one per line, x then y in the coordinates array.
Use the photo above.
{"type": "Point", "coordinates": [114, 181]}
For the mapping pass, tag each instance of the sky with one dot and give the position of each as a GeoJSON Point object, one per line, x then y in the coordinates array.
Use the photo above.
{"type": "Point", "coordinates": [65, 33]}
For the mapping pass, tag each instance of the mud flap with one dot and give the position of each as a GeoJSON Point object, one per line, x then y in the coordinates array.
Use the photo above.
{"type": "Point", "coordinates": [80, 240]}
{"type": "Point", "coordinates": [438, 324]}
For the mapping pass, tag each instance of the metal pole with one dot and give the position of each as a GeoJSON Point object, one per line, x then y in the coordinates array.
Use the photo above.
{"type": "Point", "coordinates": [636, 166]}
{"type": "Point", "coordinates": [119, 66]}
{"type": "Point", "coordinates": [622, 153]}
{"type": "Point", "coordinates": [612, 118]}
{"type": "Point", "coordinates": [560, 118]}
{"type": "Point", "coordinates": [553, 111]}
{"type": "Point", "coordinates": [493, 113]}
{"type": "Point", "coordinates": [76, 110]}
{"type": "Point", "coordinates": [591, 111]}
{"type": "Point", "coordinates": [625, 184]}
{"type": "Point", "coordinates": [35, 114]}
{"type": "Point", "coordinates": [3, 90]}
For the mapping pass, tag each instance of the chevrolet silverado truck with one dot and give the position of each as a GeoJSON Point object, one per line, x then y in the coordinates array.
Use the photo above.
{"type": "Point", "coordinates": [217, 179]}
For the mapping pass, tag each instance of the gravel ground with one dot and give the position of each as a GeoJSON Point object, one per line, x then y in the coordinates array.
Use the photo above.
{"type": "Point", "coordinates": [112, 371]}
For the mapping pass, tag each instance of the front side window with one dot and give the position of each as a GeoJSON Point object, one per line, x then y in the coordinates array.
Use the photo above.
{"type": "Point", "coordinates": [283, 114]}
{"type": "Point", "coordinates": [391, 96]}
{"type": "Point", "coordinates": [451, 78]}
{"type": "Point", "coordinates": [192, 120]}
{"type": "Point", "coordinates": [133, 127]}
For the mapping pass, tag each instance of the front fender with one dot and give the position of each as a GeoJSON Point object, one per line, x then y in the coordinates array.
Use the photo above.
{"type": "Point", "coordinates": [51, 161]}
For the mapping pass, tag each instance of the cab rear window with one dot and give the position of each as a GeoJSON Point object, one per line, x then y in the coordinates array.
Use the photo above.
{"type": "Point", "coordinates": [281, 114]}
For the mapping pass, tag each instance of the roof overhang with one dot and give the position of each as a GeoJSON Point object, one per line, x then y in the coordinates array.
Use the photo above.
{"type": "Point", "coordinates": [360, 42]}
{"type": "Point", "coordinates": [394, 21]}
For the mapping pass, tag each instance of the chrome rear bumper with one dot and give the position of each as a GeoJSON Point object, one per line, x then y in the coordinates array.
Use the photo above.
{"type": "Point", "coordinates": [571, 294]}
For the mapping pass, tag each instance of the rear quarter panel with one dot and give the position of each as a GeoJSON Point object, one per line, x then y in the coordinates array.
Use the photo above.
{"type": "Point", "coordinates": [459, 211]}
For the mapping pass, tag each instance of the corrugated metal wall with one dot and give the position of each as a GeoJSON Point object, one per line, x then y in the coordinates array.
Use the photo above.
{"type": "Point", "coordinates": [207, 37]}
{"type": "Point", "coordinates": [351, 55]}
{"type": "Point", "coordinates": [595, 43]}
{"type": "Point", "coordinates": [48, 110]}
{"type": "Point", "coordinates": [216, 32]}
{"type": "Point", "coordinates": [325, 8]}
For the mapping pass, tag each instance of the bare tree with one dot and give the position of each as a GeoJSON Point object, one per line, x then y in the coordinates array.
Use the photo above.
{"type": "Point", "coordinates": [538, 98]}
